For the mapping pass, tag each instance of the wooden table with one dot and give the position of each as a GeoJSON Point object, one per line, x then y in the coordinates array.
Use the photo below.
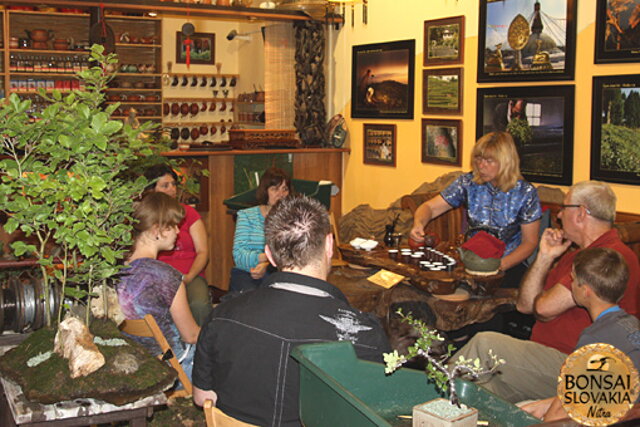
{"type": "Point", "coordinates": [15, 409]}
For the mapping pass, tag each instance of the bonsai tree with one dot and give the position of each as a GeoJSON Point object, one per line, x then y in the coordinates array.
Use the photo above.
{"type": "Point", "coordinates": [437, 370]}
{"type": "Point", "coordinates": [64, 180]}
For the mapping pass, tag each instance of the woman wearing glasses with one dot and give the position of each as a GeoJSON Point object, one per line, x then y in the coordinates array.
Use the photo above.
{"type": "Point", "coordinates": [496, 198]}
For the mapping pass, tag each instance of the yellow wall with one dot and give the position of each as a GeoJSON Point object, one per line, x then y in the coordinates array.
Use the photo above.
{"type": "Point", "coordinates": [399, 20]}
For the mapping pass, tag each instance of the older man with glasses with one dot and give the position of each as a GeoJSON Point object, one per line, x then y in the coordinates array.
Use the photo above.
{"type": "Point", "coordinates": [532, 367]}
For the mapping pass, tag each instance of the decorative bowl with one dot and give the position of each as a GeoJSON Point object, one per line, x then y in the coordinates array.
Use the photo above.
{"type": "Point", "coordinates": [476, 265]}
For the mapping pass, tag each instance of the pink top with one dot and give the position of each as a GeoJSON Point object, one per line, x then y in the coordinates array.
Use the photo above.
{"type": "Point", "coordinates": [184, 253]}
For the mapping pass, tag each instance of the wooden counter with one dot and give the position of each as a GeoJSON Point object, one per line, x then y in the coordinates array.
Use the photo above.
{"type": "Point", "coordinates": [308, 163]}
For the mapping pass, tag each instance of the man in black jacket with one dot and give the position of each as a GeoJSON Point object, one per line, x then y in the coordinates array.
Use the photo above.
{"type": "Point", "coordinates": [243, 360]}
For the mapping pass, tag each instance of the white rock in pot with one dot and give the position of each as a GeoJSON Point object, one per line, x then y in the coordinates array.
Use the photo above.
{"type": "Point", "coordinates": [74, 342]}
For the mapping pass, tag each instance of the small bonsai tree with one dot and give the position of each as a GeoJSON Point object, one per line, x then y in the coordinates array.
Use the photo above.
{"type": "Point", "coordinates": [437, 370]}
{"type": "Point", "coordinates": [64, 180]}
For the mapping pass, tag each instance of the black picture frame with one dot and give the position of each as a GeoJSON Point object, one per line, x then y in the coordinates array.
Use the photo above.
{"type": "Point", "coordinates": [553, 59]}
{"type": "Point", "coordinates": [615, 129]}
{"type": "Point", "coordinates": [442, 91]}
{"type": "Point", "coordinates": [540, 118]}
{"type": "Point", "coordinates": [379, 144]}
{"type": "Point", "coordinates": [383, 80]}
{"type": "Point", "coordinates": [444, 41]}
{"type": "Point", "coordinates": [442, 142]}
{"type": "Point", "coordinates": [203, 48]}
{"type": "Point", "coordinates": [616, 40]}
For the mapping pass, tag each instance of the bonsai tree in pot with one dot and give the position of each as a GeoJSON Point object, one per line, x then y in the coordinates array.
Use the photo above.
{"type": "Point", "coordinates": [442, 374]}
{"type": "Point", "coordinates": [64, 181]}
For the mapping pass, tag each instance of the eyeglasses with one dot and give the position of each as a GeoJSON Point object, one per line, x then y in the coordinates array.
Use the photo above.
{"type": "Point", "coordinates": [480, 159]}
{"type": "Point", "coordinates": [562, 207]}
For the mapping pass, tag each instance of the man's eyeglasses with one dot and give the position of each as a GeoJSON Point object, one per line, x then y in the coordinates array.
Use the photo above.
{"type": "Point", "coordinates": [562, 207]}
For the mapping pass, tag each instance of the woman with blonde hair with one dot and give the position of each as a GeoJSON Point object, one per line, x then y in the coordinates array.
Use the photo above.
{"type": "Point", "coordinates": [149, 286]}
{"type": "Point", "coordinates": [496, 198]}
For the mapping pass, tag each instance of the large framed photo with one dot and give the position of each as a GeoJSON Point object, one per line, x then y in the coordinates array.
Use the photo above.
{"type": "Point", "coordinates": [382, 81]}
{"type": "Point", "coordinates": [442, 141]}
{"type": "Point", "coordinates": [380, 144]}
{"type": "Point", "coordinates": [615, 129]}
{"type": "Point", "coordinates": [202, 48]}
{"type": "Point", "coordinates": [444, 41]}
{"type": "Point", "coordinates": [442, 91]}
{"type": "Point", "coordinates": [526, 40]}
{"type": "Point", "coordinates": [540, 120]}
{"type": "Point", "coordinates": [617, 31]}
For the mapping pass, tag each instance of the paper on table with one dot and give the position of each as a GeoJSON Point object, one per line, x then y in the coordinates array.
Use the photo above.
{"type": "Point", "coordinates": [386, 278]}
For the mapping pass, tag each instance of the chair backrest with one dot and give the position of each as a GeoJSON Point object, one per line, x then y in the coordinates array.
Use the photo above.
{"type": "Point", "coordinates": [147, 327]}
{"type": "Point", "coordinates": [216, 418]}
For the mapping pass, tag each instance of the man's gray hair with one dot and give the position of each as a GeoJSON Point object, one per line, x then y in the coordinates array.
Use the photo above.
{"type": "Point", "coordinates": [597, 197]}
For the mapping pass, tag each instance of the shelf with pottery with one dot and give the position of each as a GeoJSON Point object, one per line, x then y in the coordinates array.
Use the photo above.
{"type": "Point", "coordinates": [122, 89]}
{"type": "Point", "coordinates": [133, 102]}
{"type": "Point", "coordinates": [43, 13]}
{"type": "Point", "coordinates": [52, 51]}
{"type": "Point", "coordinates": [217, 75]}
{"type": "Point", "coordinates": [110, 17]}
{"type": "Point", "coordinates": [201, 123]}
{"type": "Point", "coordinates": [189, 99]}
{"type": "Point", "coordinates": [138, 46]}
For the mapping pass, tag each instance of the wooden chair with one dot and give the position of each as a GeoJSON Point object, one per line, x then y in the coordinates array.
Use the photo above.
{"type": "Point", "coordinates": [147, 327]}
{"type": "Point", "coordinates": [216, 418]}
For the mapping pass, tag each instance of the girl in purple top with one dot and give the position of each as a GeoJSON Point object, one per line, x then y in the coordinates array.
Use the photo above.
{"type": "Point", "coordinates": [150, 286]}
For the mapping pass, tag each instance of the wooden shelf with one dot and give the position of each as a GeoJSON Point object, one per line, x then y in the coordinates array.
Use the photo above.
{"type": "Point", "coordinates": [37, 12]}
{"type": "Point", "coordinates": [109, 17]}
{"type": "Point", "coordinates": [133, 102]}
{"type": "Point", "coordinates": [202, 75]}
{"type": "Point", "coordinates": [199, 123]}
{"type": "Point", "coordinates": [181, 9]}
{"type": "Point", "coordinates": [138, 45]}
{"type": "Point", "coordinates": [199, 99]}
{"type": "Point", "coordinates": [118, 89]}
{"type": "Point", "coordinates": [41, 51]}
{"type": "Point", "coordinates": [137, 117]}
{"type": "Point", "coordinates": [138, 75]}
{"type": "Point", "coordinates": [30, 73]}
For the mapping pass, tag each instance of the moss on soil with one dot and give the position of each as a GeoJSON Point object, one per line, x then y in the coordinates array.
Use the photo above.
{"type": "Point", "coordinates": [49, 382]}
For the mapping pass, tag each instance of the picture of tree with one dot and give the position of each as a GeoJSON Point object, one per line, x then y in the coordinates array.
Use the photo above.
{"type": "Point", "coordinates": [615, 144]}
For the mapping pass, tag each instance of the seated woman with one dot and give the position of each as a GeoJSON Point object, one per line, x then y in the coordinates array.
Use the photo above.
{"type": "Point", "coordinates": [191, 252]}
{"type": "Point", "coordinates": [248, 242]}
{"type": "Point", "coordinates": [497, 199]}
{"type": "Point", "coordinates": [149, 286]}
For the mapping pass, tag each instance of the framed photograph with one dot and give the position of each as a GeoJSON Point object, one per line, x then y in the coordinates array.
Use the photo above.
{"type": "Point", "coordinates": [615, 129]}
{"type": "Point", "coordinates": [442, 91]}
{"type": "Point", "coordinates": [444, 41]}
{"type": "Point", "coordinates": [540, 119]}
{"type": "Point", "coordinates": [203, 46]}
{"type": "Point", "coordinates": [617, 31]}
{"type": "Point", "coordinates": [382, 80]}
{"type": "Point", "coordinates": [526, 40]}
{"type": "Point", "coordinates": [442, 142]}
{"type": "Point", "coordinates": [380, 144]}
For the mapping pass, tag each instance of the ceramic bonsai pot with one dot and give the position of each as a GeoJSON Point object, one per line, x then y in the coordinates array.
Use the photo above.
{"type": "Point", "coordinates": [441, 413]}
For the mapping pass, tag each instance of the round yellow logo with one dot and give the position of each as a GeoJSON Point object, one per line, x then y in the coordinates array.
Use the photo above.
{"type": "Point", "coordinates": [598, 385]}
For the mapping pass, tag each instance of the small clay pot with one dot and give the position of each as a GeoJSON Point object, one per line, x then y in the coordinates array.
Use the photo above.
{"type": "Point", "coordinates": [175, 134]}
{"type": "Point", "coordinates": [113, 98]}
{"type": "Point", "coordinates": [223, 107]}
{"type": "Point", "coordinates": [212, 106]}
{"type": "Point", "coordinates": [203, 83]}
{"type": "Point", "coordinates": [175, 81]}
{"type": "Point", "coordinates": [133, 98]}
{"type": "Point", "coordinates": [138, 85]}
{"type": "Point", "coordinates": [194, 81]}
{"type": "Point", "coordinates": [184, 108]}
{"type": "Point", "coordinates": [194, 109]}
{"type": "Point", "coordinates": [185, 81]}
{"type": "Point", "coordinates": [149, 85]}
{"type": "Point", "coordinates": [165, 109]}
{"type": "Point", "coordinates": [184, 133]}
{"type": "Point", "coordinates": [213, 82]}
{"type": "Point", "coordinates": [203, 107]}
{"type": "Point", "coordinates": [214, 130]}
{"type": "Point", "coordinates": [151, 98]}
{"type": "Point", "coordinates": [204, 130]}
{"type": "Point", "coordinates": [232, 83]}
{"type": "Point", "coordinates": [175, 108]}
{"type": "Point", "coordinates": [195, 133]}
{"type": "Point", "coordinates": [126, 84]}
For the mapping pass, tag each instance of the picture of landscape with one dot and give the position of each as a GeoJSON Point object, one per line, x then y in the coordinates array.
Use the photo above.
{"type": "Point", "coordinates": [442, 91]}
{"type": "Point", "coordinates": [615, 145]}
{"type": "Point", "coordinates": [383, 80]}
{"type": "Point", "coordinates": [443, 41]}
{"type": "Point", "coordinates": [526, 40]}
{"type": "Point", "coordinates": [540, 120]}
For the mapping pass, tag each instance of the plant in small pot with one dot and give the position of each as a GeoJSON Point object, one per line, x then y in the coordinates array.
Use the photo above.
{"type": "Point", "coordinates": [440, 412]}
{"type": "Point", "coordinates": [65, 181]}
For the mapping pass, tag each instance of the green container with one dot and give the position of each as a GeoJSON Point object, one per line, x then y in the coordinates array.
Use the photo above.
{"type": "Point", "coordinates": [320, 190]}
{"type": "Point", "coordinates": [337, 389]}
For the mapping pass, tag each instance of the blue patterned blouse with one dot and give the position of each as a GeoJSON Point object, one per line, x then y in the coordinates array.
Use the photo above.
{"type": "Point", "coordinates": [493, 210]}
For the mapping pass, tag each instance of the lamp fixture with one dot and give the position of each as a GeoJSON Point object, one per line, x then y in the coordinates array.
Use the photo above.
{"type": "Point", "coordinates": [343, 3]}
{"type": "Point", "coordinates": [235, 35]}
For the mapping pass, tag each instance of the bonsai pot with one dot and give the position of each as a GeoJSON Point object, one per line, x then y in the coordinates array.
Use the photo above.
{"type": "Point", "coordinates": [478, 266]}
{"type": "Point", "coordinates": [441, 413]}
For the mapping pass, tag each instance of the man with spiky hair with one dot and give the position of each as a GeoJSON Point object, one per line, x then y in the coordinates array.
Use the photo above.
{"type": "Point", "coordinates": [243, 360]}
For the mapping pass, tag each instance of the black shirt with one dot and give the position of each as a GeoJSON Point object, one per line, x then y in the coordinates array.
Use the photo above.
{"type": "Point", "coordinates": [243, 352]}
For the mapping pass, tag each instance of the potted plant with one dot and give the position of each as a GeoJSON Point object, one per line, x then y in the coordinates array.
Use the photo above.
{"type": "Point", "coordinates": [440, 412]}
